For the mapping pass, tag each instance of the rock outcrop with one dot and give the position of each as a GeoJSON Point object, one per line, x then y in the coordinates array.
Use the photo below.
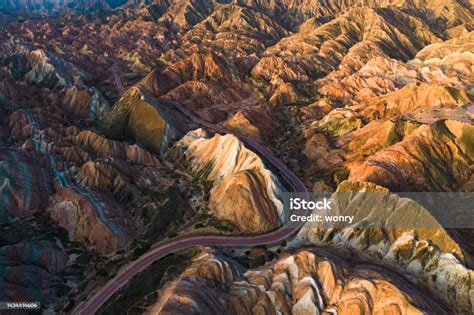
{"type": "Point", "coordinates": [241, 199]}
{"type": "Point", "coordinates": [19, 5]}
{"type": "Point", "coordinates": [234, 169]}
{"type": "Point", "coordinates": [132, 117]}
{"type": "Point", "coordinates": [397, 232]}
{"type": "Point", "coordinates": [411, 98]}
{"type": "Point", "coordinates": [447, 143]}
{"type": "Point", "coordinates": [300, 283]}
{"type": "Point", "coordinates": [25, 185]}
{"type": "Point", "coordinates": [377, 92]}
{"type": "Point", "coordinates": [69, 195]}
{"type": "Point", "coordinates": [50, 71]}
{"type": "Point", "coordinates": [91, 220]}
{"type": "Point", "coordinates": [255, 124]}
{"type": "Point", "coordinates": [33, 265]}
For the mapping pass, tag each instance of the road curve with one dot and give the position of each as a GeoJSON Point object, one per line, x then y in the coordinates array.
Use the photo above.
{"type": "Point", "coordinates": [93, 304]}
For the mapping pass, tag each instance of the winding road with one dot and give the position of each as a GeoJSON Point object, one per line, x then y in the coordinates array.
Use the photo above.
{"type": "Point", "coordinates": [95, 302]}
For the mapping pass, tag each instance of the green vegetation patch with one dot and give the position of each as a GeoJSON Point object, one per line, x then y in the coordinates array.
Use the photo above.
{"type": "Point", "coordinates": [301, 103]}
{"type": "Point", "coordinates": [140, 249]}
{"type": "Point", "coordinates": [164, 217]}
{"type": "Point", "coordinates": [339, 127]}
{"type": "Point", "coordinates": [456, 95]}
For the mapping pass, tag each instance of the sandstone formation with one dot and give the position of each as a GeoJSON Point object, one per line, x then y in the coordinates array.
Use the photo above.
{"type": "Point", "coordinates": [90, 220]}
{"type": "Point", "coordinates": [351, 95]}
{"type": "Point", "coordinates": [410, 98]}
{"type": "Point", "coordinates": [31, 264]}
{"type": "Point", "coordinates": [53, 164]}
{"type": "Point", "coordinates": [55, 5]}
{"type": "Point", "coordinates": [72, 200]}
{"type": "Point", "coordinates": [455, 54]}
{"type": "Point", "coordinates": [241, 199]}
{"type": "Point", "coordinates": [300, 283]}
{"type": "Point", "coordinates": [132, 117]}
{"type": "Point", "coordinates": [254, 124]}
{"type": "Point", "coordinates": [398, 232]}
{"type": "Point", "coordinates": [447, 142]}
{"type": "Point", "coordinates": [234, 169]}
{"type": "Point", "coordinates": [25, 185]}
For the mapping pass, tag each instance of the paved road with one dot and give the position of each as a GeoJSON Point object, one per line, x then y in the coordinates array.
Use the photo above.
{"type": "Point", "coordinates": [284, 232]}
